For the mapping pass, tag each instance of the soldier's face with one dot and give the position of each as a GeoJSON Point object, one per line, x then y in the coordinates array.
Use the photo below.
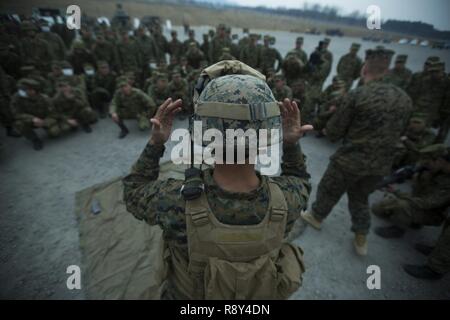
{"type": "Point", "coordinates": [176, 78]}
{"type": "Point", "coordinates": [279, 84]}
{"type": "Point", "coordinates": [104, 70]}
{"type": "Point", "coordinates": [31, 92]}
{"type": "Point", "coordinates": [67, 91]}
{"type": "Point", "coordinates": [126, 89]}
{"type": "Point", "coordinates": [161, 84]}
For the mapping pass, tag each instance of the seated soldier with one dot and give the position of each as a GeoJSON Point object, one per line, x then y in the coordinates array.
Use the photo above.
{"type": "Point", "coordinates": [416, 137]}
{"type": "Point", "coordinates": [159, 92]}
{"type": "Point", "coordinates": [179, 89]}
{"type": "Point", "coordinates": [438, 257]}
{"type": "Point", "coordinates": [72, 109]}
{"type": "Point", "coordinates": [32, 110]}
{"type": "Point", "coordinates": [103, 87]}
{"type": "Point", "coordinates": [281, 91]}
{"type": "Point", "coordinates": [130, 103]}
{"type": "Point", "coordinates": [428, 202]}
{"type": "Point", "coordinates": [329, 107]}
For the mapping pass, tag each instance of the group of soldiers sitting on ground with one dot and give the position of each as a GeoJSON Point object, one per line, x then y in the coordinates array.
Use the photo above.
{"type": "Point", "coordinates": [48, 83]}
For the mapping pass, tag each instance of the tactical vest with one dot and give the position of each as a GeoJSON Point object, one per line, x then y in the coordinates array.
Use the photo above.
{"type": "Point", "coordinates": [236, 261]}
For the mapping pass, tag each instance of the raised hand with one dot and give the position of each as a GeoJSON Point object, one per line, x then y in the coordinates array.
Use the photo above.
{"type": "Point", "coordinates": [292, 128]}
{"type": "Point", "coordinates": [162, 121]}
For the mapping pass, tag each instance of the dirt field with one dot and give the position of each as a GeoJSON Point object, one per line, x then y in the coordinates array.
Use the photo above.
{"type": "Point", "coordinates": [39, 235]}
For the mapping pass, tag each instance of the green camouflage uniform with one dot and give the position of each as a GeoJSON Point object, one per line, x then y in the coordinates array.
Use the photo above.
{"type": "Point", "coordinates": [428, 93]}
{"type": "Point", "coordinates": [102, 91]}
{"type": "Point", "coordinates": [24, 109]}
{"type": "Point", "coordinates": [137, 105]}
{"type": "Point", "coordinates": [129, 56]}
{"type": "Point", "coordinates": [268, 57]}
{"type": "Point", "coordinates": [349, 67]}
{"type": "Point", "coordinates": [73, 108]}
{"type": "Point", "coordinates": [175, 48]}
{"type": "Point", "coordinates": [250, 55]}
{"type": "Point", "coordinates": [282, 94]}
{"type": "Point", "coordinates": [371, 120]}
{"type": "Point", "coordinates": [180, 91]}
{"type": "Point", "coordinates": [160, 202]}
{"type": "Point", "coordinates": [298, 51]}
{"type": "Point", "coordinates": [55, 43]}
{"type": "Point", "coordinates": [157, 95]}
{"type": "Point", "coordinates": [216, 47]}
{"type": "Point", "coordinates": [33, 50]}
{"type": "Point", "coordinates": [400, 76]}
{"type": "Point", "coordinates": [106, 51]}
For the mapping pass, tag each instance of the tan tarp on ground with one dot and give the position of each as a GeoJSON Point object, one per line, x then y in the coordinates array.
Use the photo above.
{"type": "Point", "coordinates": [121, 256]}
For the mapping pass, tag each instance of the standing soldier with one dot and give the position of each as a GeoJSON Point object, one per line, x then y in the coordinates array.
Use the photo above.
{"type": "Point", "coordinates": [79, 57]}
{"type": "Point", "coordinates": [32, 110]}
{"type": "Point", "coordinates": [205, 46]}
{"type": "Point", "coordinates": [105, 51]}
{"type": "Point", "coordinates": [55, 43]}
{"type": "Point", "coordinates": [328, 56]}
{"type": "Point", "coordinates": [34, 50]}
{"type": "Point", "coordinates": [219, 42]}
{"type": "Point", "coordinates": [161, 42]}
{"type": "Point", "coordinates": [349, 66]}
{"type": "Point", "coordinates": [175, 47]}
{"type": "Point", "coordinates": [103, 88]}
{"type": "Point", "coordinates": [250, 54]}
{"type": "Point", "coordinates": [128, 54]}
{"type": "Point", "coordinates": [399, 76]}
{"type": "Point", "coordinates": [191, 38]}
{"type": "Point", "coordinates": [370, 120]}
{"type": "Point", "coordinates": [130, 103]}
{"type": "Point", "coordinates": [224, 225]}
{"type": "Point", "coordinates": [269, 55]}
{"type": "Point", "coordinates": [72, 109]}
{"type": "Point", "coordinates": [298, 51]}
{"type": "Point", "coordinates": [428, 90]}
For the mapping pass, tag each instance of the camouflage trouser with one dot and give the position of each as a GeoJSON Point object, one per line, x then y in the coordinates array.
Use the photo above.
{"type": "Point", "coordinates": [100, 99]}
{"type": "Point", "coordinates": [53, 128]}
{"type": "Point", "coordinates": [85, 116]}
{"type": "Point", "coordinates": [439, 259]}
{"type": "Point", "coordinates": [402, 212]}
{"type": "Point", "coordinates": [142, 118]}
{"type": "Point", "coordinates": [334, 183]}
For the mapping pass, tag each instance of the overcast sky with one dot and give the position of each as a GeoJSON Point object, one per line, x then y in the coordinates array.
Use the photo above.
{"type": "Point", "coordinates": [435, 12]}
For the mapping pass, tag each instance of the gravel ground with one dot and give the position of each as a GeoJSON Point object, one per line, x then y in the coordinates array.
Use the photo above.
{"type": "Point", "coordinates": [38, 228]}
{"type": "Point", "coordinates": [39, 235]}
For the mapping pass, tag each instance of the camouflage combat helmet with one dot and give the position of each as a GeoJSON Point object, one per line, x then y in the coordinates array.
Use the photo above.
{"type": "Point", "coordinates": [232, 95]}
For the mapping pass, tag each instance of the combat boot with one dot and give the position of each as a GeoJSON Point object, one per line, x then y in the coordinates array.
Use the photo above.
{"type": "Point", "coordinates": [308, 217]}
{"type": "Point", "coordinates": [35, 140]}
{"type": "Point", "coordinates": [123, 130]}
{"type": "Point", "coordinates": [422, 272]}
{"type": "Point", "coordinates": [87, 128]}
{"type": "Point", "coordinates": [360, 243]}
